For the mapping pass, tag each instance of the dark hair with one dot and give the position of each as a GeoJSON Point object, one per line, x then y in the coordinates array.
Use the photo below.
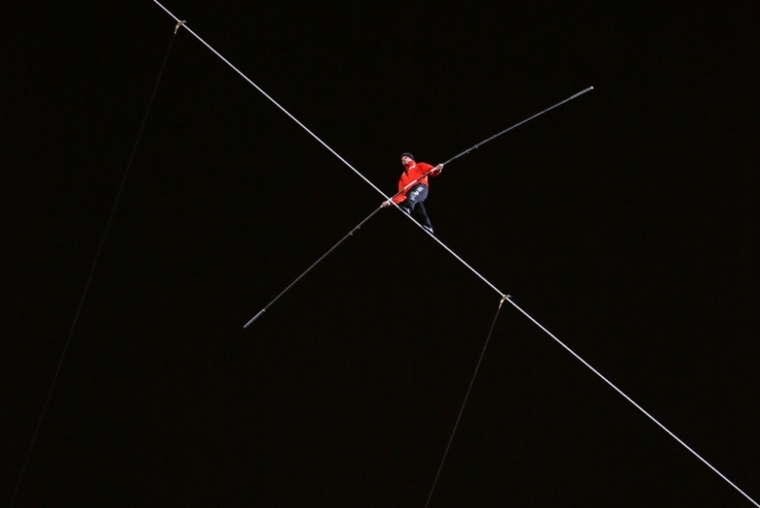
{"type": "Point", "coordinates": [407, 154]}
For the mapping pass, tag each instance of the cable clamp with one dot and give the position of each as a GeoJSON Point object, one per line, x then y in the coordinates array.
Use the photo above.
{"type": "Point", "coordinates": [179, 24]}
{"type": "Point", "coordinates": [503, 298]}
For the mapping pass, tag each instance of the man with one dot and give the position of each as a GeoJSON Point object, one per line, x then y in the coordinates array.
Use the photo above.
{"type": "Point", "coordinates": [413, 189]}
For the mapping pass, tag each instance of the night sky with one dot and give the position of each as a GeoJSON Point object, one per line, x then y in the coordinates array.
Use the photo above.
{"type": "Point", "coordinates": [626, 222]}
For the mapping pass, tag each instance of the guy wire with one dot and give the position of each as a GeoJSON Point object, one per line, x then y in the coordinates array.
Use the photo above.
{"type": "Point", "coordinates": [94, 265]}
{"type": "Point", "coordinates": [464, 402]}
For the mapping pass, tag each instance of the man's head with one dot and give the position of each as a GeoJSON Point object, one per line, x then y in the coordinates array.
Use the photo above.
{"type": "Point", "coordinates": [406, 158]}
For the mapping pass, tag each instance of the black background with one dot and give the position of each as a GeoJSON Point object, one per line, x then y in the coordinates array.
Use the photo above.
{"type": "Point", "coordinates": [625, 221]}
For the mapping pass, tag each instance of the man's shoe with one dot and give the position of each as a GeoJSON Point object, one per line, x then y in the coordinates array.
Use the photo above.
{"type": "Point", "coordinates": [428, 229]}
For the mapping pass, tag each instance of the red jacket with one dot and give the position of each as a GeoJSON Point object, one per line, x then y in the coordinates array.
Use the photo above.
{"type": "Point", "coordinates": [412, 172]}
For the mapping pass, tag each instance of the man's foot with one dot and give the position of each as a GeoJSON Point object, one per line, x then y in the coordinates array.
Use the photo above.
{"type": "Point", "coordinates": [405, 210]}
{"type": "Point", "coordinates": [428, 229]}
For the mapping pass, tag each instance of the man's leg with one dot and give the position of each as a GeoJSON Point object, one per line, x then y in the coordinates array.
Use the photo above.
{"type": "Point", "coordinates": [404, 206]}
{"type": "Point", "coordinates": [415, 197]}
{"type": "Point", "coordinates": [420, 214]}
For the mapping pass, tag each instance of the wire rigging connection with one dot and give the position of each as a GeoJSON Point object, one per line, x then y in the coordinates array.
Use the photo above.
{"type": "Point", "coordinates": [95, 262]}
{"type": "Point", "coordinates": [501, 294]}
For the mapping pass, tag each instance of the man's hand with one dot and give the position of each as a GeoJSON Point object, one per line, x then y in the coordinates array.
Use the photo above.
{"type": "Point", "coordinates": [437, 170]}
{"type": "Point", "coordinates": [386, 204]}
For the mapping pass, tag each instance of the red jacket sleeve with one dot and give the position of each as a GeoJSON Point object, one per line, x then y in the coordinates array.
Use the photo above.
{"type": "Point", "coordinates": [423, 168]}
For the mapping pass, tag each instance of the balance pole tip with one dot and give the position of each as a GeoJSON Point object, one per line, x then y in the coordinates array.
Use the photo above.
{"type": "Point", "coordinates": [254, 318]}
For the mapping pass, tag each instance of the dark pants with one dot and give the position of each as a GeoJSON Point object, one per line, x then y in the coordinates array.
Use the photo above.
{"type": "Point", "coordinates": [413, 204]}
